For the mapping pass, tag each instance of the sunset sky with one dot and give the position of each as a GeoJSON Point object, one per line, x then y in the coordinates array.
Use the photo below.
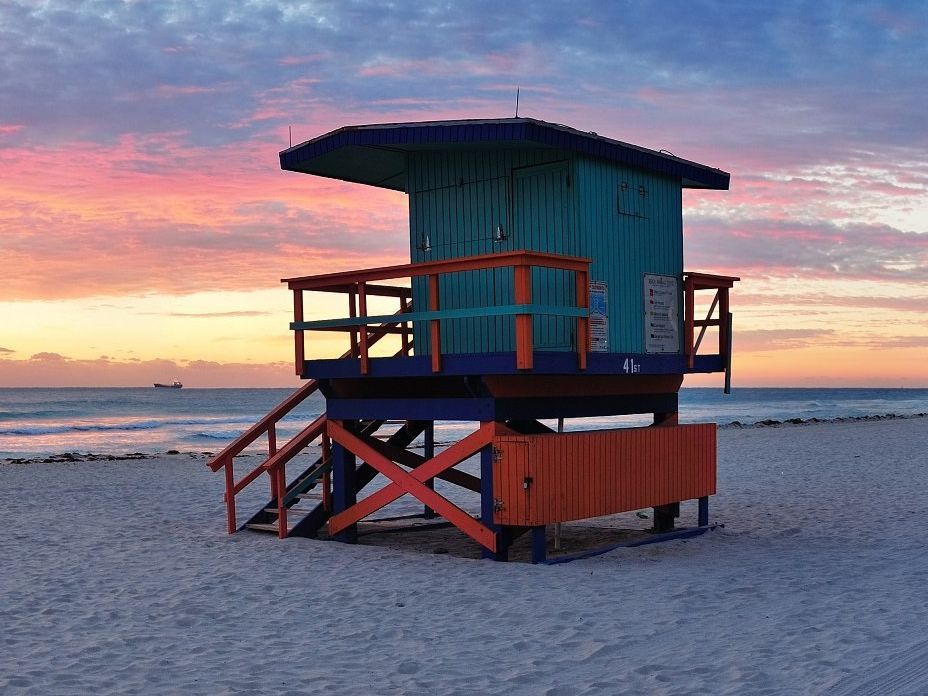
{"type": "Point", "coordinates": [145, 222]}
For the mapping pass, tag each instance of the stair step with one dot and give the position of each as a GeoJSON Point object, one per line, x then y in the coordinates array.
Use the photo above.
{"type": "Point", "coordinates": [262, 527]}
{"type": "Point", "coordinates": [314, 495]}
{"type": "Point", "coordinates": [267, 526]}
{"type": "Point", "coordinates": [294, 510]}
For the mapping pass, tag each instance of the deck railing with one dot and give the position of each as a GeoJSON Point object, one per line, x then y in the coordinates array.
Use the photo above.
{"type": "Point", "coordinates": [358, 286]}
{"type": "Point", "coordinates": [276, 461]}
{"type": "Point", "coordinates": [693, 282]}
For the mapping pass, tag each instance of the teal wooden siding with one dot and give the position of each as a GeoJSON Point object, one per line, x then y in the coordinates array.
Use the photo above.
{"type": "Point", "coordinates": [630, 223]}
{"type": "Point", "coordinates": [456, 202]}
{"type": "Point", "coordinates": [544, 200]}
{"type": "Point", "coordinates": [542, 221]}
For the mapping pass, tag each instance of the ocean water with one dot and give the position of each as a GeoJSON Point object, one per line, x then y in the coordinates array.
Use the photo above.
{"type": "Point", "coordinates": [40, 422]}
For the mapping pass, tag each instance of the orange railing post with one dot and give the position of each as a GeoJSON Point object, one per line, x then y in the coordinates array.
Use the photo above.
{"type": "Point", "coordinates": [523, 296]}
{"type": "Point", "coordinates": [723, 321]}
{"type": "Point", "coordinates": [230, 496]}
{"type": "Point", "coordinates": [298, 339]}
{"type": "Point", "coordinates": [583, 322]}
{"type": "Point", "coordinates": [273, 482]}
{"type": "Point", "coordinates": [404, 336]}
{"type": "Point", "coordinates": [362, 311]}
{"type": "Point", "coordinates": [280, 473]}
{"type": "Point", "coordinates": [326, 475]}
{"type": "Point", "coordinates": [705, 281]}
{"type": "Point", "coordinates": [353, 312]}
{"type": "Point", "coordinates": [434, 325]}
{"type": "Point", "coordinates": [272, 440]}
{"type": "Point", "coordinates": [277, 458]}
{"type": "Point", "coordinates": [357, 282]}
{"type": "Point", "coordinates": [689, 318]}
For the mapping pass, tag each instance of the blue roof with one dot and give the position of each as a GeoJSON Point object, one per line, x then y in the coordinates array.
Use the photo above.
{"type": "Point", "coordinates": [376, 154]}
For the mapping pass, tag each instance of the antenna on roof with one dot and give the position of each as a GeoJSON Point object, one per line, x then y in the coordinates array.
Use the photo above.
{"type": "Point", "coordinates": [517, 102]}
{"type": "Point", "coordinates": [290, 130]}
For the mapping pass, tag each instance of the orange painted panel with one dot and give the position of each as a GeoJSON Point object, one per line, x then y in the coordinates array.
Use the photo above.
{"type": "Point", "coordinates": [557, 477]}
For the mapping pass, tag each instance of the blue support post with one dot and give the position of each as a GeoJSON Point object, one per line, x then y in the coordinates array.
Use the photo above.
{"type": "Point", "coordinates": [487, 503]}
{"type": "Point", "coordinates": [539, 549]}
{"type": "Point", "coordinates": [429, 452]}
{"type": "Point", "coordinates": [704, 511]}
{"type": "Point", "coordinates": [344, 487]}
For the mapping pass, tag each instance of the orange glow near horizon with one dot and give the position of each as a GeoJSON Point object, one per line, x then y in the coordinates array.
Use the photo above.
{"type": "Point", "coordinates": [193, 275]}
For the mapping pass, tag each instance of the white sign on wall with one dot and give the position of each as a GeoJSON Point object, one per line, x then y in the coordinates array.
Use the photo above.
{"type": "Point", "coordinates": [599, 317]}
{"type": "Point", "coordinates": [661, 314]}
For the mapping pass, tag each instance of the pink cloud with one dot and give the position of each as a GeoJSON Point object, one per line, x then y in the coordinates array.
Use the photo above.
{"type": "Point", "coordinates": [183, 90]}
{"type": "Point", "coordinates": [812, 250]}
{"type": "Point", "coordinates": [914, 303]}
{"type": "Point", "coordinates": [47, 357]}
{"type": "Point", "coordinates": [761, 340]}
{"type": "Point", "coordinates": [303, 60]}
{"type": "Point", "coordinates": [899, 23]}
{"type": "Point", "coordinates": [523, 58]}
{"type": "Point", "coordinates": [151, 214]}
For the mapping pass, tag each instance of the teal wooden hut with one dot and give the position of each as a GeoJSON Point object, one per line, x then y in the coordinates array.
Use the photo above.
{"type": "Point", "coordinates": [546, 280]}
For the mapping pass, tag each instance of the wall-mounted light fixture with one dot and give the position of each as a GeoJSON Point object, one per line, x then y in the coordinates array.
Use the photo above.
{"type": "Point", "coordinates": [499, 234]}
{"type": "Point", "coordinates": [426, 245]}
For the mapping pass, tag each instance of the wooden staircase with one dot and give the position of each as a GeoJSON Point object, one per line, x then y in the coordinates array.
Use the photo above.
{"type": "Point", "coordinates": [290, 511]}
{"type": "Point", "coordinates": [307, 498]}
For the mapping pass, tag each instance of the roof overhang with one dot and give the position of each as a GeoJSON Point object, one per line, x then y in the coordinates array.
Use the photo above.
{"type": "Point", "coordinates": [376, 154]}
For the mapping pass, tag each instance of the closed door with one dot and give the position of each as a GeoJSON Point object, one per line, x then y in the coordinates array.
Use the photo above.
{"type": "Point", "coordinates": [542, 222]}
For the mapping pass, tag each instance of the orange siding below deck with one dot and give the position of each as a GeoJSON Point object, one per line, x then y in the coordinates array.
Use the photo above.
{"type": "Point", "coordinates": [575, 476]}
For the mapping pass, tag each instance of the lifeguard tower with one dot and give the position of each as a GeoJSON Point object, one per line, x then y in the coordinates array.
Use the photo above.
{"type": "Point", "coordinates": [546, 282]}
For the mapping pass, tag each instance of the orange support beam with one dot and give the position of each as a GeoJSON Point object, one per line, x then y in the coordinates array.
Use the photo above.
{"type": "Point", "coordinates": [412, 483]}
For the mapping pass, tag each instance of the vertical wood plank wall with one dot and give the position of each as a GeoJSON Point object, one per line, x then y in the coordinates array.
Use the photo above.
{"type": "Point", "coordinates": [558, 477]}
{"type": "Point", "coordinates": [645, 238]}
{"type": "Point", "coordinates": [456, 201]}
{"type": "Point", "coordinates": [545, 200]}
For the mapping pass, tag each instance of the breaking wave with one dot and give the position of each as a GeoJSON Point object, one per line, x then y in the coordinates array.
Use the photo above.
{"type": "Point", "coordinates": [28, 429]}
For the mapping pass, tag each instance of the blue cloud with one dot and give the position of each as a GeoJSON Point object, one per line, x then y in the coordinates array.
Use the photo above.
{"type": "Point", "coordinates": [99, 68]}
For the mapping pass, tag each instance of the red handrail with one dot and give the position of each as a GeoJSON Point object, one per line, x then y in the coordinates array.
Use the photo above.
{"type": "Point", "coordinates": [337, 282]}
{"type": "Point", "coordinates": [358, 286]}
{"type": "Point", "coordinates": [693, 282]}
{"type": "Point", "coordinates": [275, 463]}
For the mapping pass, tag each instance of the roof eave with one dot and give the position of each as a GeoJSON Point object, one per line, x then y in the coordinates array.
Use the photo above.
{"type": "Point", "coordinates": [392, 141]}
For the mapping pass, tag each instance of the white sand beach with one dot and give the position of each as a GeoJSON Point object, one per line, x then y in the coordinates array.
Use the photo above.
{"type": "Point", "coordinates": [118, 577]}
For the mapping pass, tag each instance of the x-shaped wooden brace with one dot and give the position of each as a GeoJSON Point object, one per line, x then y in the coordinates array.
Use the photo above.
{"type": "Point", "coordinates": [412, 482]}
